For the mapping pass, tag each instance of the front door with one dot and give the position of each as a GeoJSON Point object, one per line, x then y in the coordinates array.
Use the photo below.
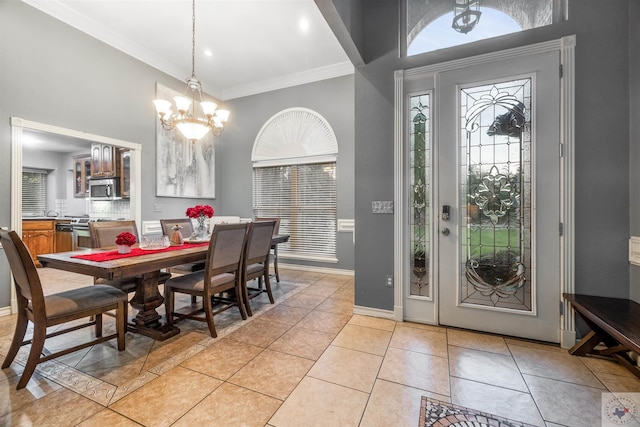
{"type": "Point", "coordinates": [490, 181]}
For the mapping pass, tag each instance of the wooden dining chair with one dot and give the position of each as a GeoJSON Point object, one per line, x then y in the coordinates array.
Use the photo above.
{"type": "Point", "coordinates": [220, 283]}
{"type": "Point", "coordinates": [256, 261]}
{"type": "Point", "coordinates": [273, 255]}
{"type": "Point", "coordinates": [103, 234]}
{"type": "Point", "coordinates": [45, 311]}
{"type": "Point", "coordinates": [186, 231]}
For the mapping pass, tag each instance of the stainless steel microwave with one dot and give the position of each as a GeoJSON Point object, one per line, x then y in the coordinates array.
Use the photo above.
{"type": "Point", "coordinates": [105, 189]}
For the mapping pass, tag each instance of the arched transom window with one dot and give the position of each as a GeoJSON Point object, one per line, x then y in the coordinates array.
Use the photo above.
{"type": "Point", "coordinates": [294, 178]}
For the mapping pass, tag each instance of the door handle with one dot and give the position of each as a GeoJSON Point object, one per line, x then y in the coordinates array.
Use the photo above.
{"type": "Point", "coordinates": [446, 210]}
{"type": "Point", "coordinates": [445, 231]}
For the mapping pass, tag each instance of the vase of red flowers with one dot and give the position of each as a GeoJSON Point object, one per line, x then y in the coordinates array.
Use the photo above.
{"type": "Point", "coordinates": [125, 241]}
{"type": "Point", "coordinates": [200, 213]}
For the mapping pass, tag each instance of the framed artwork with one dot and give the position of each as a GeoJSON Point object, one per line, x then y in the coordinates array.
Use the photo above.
{"type": "Point", "coordinates": [183, 168]}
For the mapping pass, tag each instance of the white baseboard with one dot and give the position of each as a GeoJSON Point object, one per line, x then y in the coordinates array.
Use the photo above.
{"type": "Point", "coordinates": [5, 311]}
{"type": "Point", "coordinates": [567, 338]}
{"type": "Point", "coordinates": [313, 269]}
{"type": "Point", "coordinates": [373, 312]}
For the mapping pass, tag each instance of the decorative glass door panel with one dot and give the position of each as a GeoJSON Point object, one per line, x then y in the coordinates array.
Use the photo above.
{"type": "Point", "coordinates": [419, 195]}
{"type": "Point", "coordinates": [497, 258]}
{"type": "Point", "coordinates": [495, 167]}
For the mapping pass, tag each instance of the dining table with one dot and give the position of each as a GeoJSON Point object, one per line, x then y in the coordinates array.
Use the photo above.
{"type": "Point", "coordinates": [145, 265]}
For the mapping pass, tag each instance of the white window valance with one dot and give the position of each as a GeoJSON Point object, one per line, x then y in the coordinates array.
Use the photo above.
{"type": "Point", "coordinates": [294, 136]}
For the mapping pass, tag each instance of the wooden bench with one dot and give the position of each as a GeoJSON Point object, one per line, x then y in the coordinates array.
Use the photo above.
{"type": "Point", "coordinates": [614, 322]}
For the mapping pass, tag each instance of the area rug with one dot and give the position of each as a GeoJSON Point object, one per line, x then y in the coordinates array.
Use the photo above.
{"type": "Point", "coordinates": [442, 414]}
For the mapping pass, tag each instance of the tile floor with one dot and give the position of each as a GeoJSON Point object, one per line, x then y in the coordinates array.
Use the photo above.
{"type": "Point", "coordinates": [304, 361]}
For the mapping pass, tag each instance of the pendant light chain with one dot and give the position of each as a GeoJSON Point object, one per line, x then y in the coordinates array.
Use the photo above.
{"type": "Point", "coordinates": [193, 39]}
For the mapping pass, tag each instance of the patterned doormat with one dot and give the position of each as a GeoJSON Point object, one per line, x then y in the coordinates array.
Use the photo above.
{"type": "Point", "coordinates": [434, 413]}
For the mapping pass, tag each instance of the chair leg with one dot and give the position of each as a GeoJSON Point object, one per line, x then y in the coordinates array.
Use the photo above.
{"type": "Point", "coordinates": [193, 299]}
{"type": "Point", "coordinates": [99, 324]}
{"type": "Point", "coordinates": [245, 298]}
{"type": "Point", "coordinates": [208, 312]}
{"type": "Point", "coordinates": [267, 285]}
{"type": "Point", "coordinates": [240, 301]}
{"type": "Point", "coordinates": [275, 263]}
{"type": "Point", "coordinates": [121, 323]}
{"type": "Point", "coordinates": [16, 343]}
{"type": "Point", "coordinates": [37, 344]}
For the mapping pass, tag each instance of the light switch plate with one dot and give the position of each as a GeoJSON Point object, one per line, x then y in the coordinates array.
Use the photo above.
{"type": "Point", "coordinates": [382, 207]}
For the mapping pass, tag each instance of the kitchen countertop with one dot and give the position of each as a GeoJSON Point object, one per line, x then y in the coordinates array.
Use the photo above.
{"type": "Point", "coordinates": [46, 218]}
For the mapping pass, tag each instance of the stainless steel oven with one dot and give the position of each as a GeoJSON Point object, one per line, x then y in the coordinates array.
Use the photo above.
{"type": "Point", "coordinates": [81, 237]}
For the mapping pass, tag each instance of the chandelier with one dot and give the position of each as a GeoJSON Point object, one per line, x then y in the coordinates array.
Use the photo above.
{"type": "Point", "coordinates": [192, 126]}
{"type": "Point", "coordinates": [466, 14]}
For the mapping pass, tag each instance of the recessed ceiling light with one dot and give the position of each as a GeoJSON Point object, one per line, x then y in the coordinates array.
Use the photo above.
{"type": "Point", "coordinates": [207, 52]}
{"type": "Point", "coordinates": [304, 25]}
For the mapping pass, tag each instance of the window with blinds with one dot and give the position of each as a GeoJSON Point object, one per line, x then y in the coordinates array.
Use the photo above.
{"type": "Point", "coordinates": [304, 196]}
{"type": "Point", "coordinates": [34, 191]}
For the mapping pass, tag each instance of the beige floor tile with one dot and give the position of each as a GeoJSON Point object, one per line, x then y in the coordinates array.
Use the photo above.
{"type": "Point", "coordinates": [365, 339]}
{"type": "Point", "coordinates": [324, 321]}
{"type": "Point", "coordinates": [349, 368]}
{"type": "Point", "coordinates": [606, 366]}
{"type": "Point", "coordinates": [223, 358]}
{"type": "Point", "coordinates": [506, 403]}
{"type": "Point", "coordinates": [334, 281]}
{"type": "Point", "coordinates": [489, 368]}
{"type": "Point", "coordinates": [110, 418]}
{"type": "Point", "coordinates": [316, 403]}
{"type": "Point", "coordinates": [165, 399]}
{"type": "Point", "coordinates": [478, 341]}
{"type": "Point", "coordinates": [550, 364]}
{"type": "Point", "coordinates": [303, 342]}
{"type": "Point", "coordinates": [521, 342]}
{"type": "Point", "coordinates": [12, 399]}
{"type": "Point", "coordinates": [60, 408]}
{"type": "Point", "coordinates": [286, 314]}
{"type": "Point", "coordinates": [417, 370]}
{"type": "Point", "coordinates": [373, 322]}
{"type": "Point", "coordinates": [272, 373]}
{"type": "Point", "coordinates": [423, 326]}
{"type": "Point", "coordinates": [259, 332]}
{"type": "Point", "coordinates": [321, 291]}
{"type": "Point", "coordinates": [619, 383]}
{"type": "Point", "coordinates": [304, 300]}
{"type": "Point", "coordinates": [231, 405]}
{"type": "Point", "coordinates": [345, 292]}
{"type": "Point", "coordinates": [393, 404]}
{"type": "Point", "coordinates": [419, 340]}
{"type": "Point", "coordinates": [164, 350]}
{"type": "Point", "coordinates": [336, 305]}
{"type": "Point", "coordinates": [565, 403]}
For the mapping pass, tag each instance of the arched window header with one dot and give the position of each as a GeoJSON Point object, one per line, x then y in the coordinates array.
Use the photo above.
{"type": "Point", "coordinates": [294, 136]}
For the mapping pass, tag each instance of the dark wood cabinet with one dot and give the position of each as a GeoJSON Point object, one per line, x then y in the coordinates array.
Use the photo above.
{"type": "Point", "coordinates": [81, 176]}
{"type": "Point", "coordinates": [104, 161]}
{"type": "Point", "coordinates": [125, 171]}
{"type": "Point", "coordinates": [39, 237]}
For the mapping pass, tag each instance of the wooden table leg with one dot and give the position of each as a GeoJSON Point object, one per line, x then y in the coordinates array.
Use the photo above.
{"type": "Point", "coordinates": [146, 299]}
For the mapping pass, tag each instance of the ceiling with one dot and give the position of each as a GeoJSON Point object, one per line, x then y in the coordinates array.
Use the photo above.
{"type": "Point", "coordinates": [256, 45]}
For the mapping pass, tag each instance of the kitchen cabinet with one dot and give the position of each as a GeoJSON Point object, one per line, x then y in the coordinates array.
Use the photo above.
{"type": "Point", "coordinates": [104, 161]}
{"type": "Point", "coordinates": [39, 237]}
{"type": "Point", "coordinates": [81, 176]}
{"type": "Point", "coordinates": [125, 172]}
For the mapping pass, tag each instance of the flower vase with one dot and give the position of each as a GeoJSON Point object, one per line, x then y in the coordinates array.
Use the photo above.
{"type": "Point", "coordinates": [200, 232]}
{"type": "Point", "coordinates": [124, 249]}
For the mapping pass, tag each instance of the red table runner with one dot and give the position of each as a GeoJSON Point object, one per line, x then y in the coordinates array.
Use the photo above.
{"type": "Point", "coordinates": [111, 255]}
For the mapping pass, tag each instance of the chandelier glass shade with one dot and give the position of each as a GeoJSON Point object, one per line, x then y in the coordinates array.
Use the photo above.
{"type": "Point", "coordinates": [191, 124]}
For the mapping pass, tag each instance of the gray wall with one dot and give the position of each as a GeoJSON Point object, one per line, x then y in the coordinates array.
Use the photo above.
{"type": "Point", "coordinates": [602, 148]}
{"type": "Point", "coordinates": [634, 140]}
{"type": "Point", "coordinates": [52, 73]}
{"type": "Point", "coordinates": [332, 99]}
